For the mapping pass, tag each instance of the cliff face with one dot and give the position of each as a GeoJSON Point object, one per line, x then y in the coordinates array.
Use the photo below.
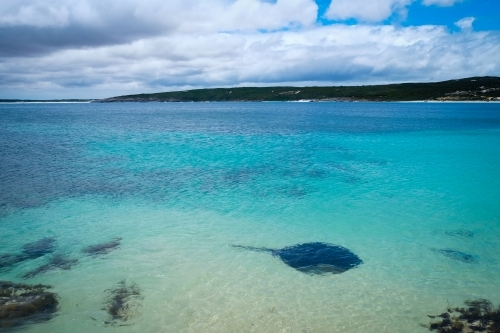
{"type": "Point", "coordinates": [470, 89]}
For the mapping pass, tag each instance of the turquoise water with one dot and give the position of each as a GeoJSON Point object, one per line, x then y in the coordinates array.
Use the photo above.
{"type": "Point", "coordinates": [181, 183]}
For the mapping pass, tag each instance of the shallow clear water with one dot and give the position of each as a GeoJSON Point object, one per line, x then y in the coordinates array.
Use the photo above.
{"type": "Point", "coordinates": [180, 183]}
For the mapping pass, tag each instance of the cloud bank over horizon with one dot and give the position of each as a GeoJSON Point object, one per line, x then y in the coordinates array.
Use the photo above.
{"type": "Point", "coordinates": [95, 49]}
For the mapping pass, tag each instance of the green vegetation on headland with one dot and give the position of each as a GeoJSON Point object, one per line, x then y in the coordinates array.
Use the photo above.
{"type": "Point", "coordinates": [469, 89]}
{"type": "Point", "coordinates": [485, 88]}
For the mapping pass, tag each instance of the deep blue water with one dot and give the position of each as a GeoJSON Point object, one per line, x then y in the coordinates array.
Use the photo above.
{"type": "Point", "coordinates": [55, 150]}
{"type": "Point", "coordinates": [411, 188]}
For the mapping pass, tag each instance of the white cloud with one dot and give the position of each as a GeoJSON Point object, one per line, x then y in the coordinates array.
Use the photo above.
{"type": "Point", "coordinates": [366, 10]}
{"type": "Point", "coordinates": [465, 23]}
{"type": "Point", "coordinates": [31, 27]}
{"type": "Point", "coordinates": [441, 3]}
{"type": "Point", "coordinates": [185, 15]}
{"type": "Point", "coordinates": [337, 54]}
{"type": "Point", "coordinates": [95, 48]}
{"type": "Point", "coordinates": [36, 15]}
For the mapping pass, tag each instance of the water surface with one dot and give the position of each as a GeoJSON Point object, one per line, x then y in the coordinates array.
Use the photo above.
{"type": "Point", "coordinates": [407, 187]}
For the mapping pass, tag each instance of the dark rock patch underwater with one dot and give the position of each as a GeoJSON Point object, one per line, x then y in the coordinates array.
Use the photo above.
{"type": "Point", "coordinates": [102, 248]}
{"type": "Point", "coordinates": [30, 251]}
{"type": "Point", "coordinates": [8, 260]}
{"type": "Point", "coordinates": [462, 233]}
{"type": "Point", "coordinates": [22, 304]}
{"type": "Point", "coordinates": [457, 255]}
{"type": "Point", "coordinates": [122, 303]}
{"type": "Point", "coordinates": [314, 258]}
{"type": "Point", "coordinates": [477, 316]}
{"type": "Point", "coordinates": [39, 248]}
{"type": "Point", "coordinates": [56, 262]}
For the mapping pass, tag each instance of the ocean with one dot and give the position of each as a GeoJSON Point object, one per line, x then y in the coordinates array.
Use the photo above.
{"type": "Point", "coordinates": [412, 189]}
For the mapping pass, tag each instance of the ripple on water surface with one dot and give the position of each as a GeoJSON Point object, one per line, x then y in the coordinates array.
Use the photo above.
{"type": "Point", "coordinates": [131, 212]}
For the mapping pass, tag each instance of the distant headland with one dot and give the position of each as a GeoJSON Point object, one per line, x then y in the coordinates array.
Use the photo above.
{"type": "Point", "coordinates": [484, 88]}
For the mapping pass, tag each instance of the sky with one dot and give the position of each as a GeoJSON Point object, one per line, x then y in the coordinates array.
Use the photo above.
{"type": "Point", "coordinates": [51, 49]}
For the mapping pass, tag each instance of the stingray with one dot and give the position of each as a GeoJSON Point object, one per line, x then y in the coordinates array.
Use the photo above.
{"type": "Point", "coordinates": [314, 258]}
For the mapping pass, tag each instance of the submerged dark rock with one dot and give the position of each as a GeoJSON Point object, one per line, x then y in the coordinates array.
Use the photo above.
{"type": "Point", "coordinates": [30, 251]}
{"type": "Point", "coordinates": [314, 258]}
{"type": "Point", "coordinates": [122, 303]}
{"type": "Point", "coordinates": [8, 260]}
{"type": "Point", "coordinates": [39, 248]}
{"type": "Point", "coordinates": [103, 248]}
{"type": "Point", "coordinates": [56, 262]}
{"type": "Point", "coordinates": [457, 255]}
{"type": "Point", "coordinates": [478, 316]}
{"type": "Point", "coordinates": [463, 233]}
{"type": "Point", "coordinates": [22, 304]}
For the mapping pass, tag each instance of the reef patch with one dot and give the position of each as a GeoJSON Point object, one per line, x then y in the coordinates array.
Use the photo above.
{"type": "Point", "coordinates": [478, 316]}
{"type": "Point", "coordinates": [462, 233]}
{"type": "Point", "coordinates": [56, 262]}
{"type": "Point", "coordinates": [30, 251]}
{"type": "Point", "coordinates": [102, 248]}
{"type": "Point", "coordinates": [457, 255]}
{"type": "Point", "coordinates": [39, 248]}
{"type": "Point", "coordinates": [23, 304]}
{"type": "Point", "coordinates": [314, 258]}
{"type": "Point", "coordinates": [8, 260]}
{"type": "Point", "coordinates": [122, 303]}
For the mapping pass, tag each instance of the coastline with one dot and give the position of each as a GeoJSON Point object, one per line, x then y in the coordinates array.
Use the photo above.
{"type": "Point", "coordinates": [467, 90]}
{"type": "Point", "coordinates": [311, 101]}
{"type": "Point", "coordinates": [257, 101]}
